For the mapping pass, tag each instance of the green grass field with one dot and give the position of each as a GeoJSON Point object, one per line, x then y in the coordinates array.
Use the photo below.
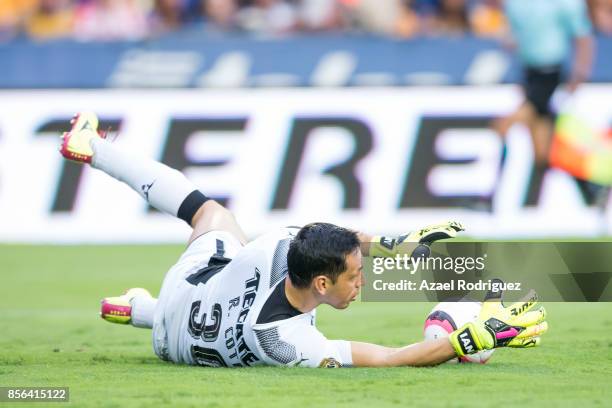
{"type": "Point", "coordinates": [51, 335]}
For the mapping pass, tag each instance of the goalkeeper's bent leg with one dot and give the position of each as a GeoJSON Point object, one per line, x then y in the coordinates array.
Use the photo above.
{"type": "Point", "coordinates": [163, 187]}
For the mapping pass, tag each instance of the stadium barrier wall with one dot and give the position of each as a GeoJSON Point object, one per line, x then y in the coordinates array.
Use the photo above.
{"type": "Point", "coordinates": [383, 160]}
{"type": "Point", "coordinates": [185, 60]}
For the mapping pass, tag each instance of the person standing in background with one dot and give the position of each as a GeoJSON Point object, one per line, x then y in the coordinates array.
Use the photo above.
{"type": "Point", "coordinates": [544, 33]}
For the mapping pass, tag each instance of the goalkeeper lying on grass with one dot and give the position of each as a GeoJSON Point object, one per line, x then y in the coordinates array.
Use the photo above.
{"type": "Point", "coordinates": [230, 302]}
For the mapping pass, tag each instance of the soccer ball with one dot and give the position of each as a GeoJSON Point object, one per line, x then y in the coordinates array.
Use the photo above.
{"type": "Point", "coordinates": [447, 317]}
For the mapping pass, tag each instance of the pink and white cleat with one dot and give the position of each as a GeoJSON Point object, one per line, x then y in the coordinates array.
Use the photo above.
{"type": "Point", "coordinates": [76, 143]}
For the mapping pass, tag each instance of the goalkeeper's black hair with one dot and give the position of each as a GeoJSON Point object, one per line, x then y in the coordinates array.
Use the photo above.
{"type": "Point", "coordinates": [319, 249]}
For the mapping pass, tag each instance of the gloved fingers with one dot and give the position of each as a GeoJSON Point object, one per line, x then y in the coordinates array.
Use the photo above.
{"type": "Point", "coordinates": [530, 318]}
{"type": "Point", "coordinates": [457, 226]}
{"type": "Point", "coordinates": [437, 234]}
{"type": "Point", "coordinates": [433, 233]}
{"type": "Point", "coordinates": [533, 331]}
{"type": "Point", "coordinates": [525, 304]}
{"type": "Point", "coordinates": [427, 235]}
{"type": "Point", "coordinates": [525, 343]}
{"type": "Point", "coordinates": [454, 225]}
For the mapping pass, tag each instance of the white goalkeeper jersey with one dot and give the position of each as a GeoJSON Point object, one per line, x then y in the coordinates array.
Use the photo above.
{"type": "Point", "coordinates": [214, 313]}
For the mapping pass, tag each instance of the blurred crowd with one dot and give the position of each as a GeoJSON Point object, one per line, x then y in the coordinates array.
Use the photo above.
{"type": "Point", "coordinates": [109, 20]}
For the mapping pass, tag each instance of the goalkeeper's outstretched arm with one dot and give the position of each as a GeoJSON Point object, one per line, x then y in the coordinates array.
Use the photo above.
{"type": "Point", "coordinates": [425, 353]}
{"type": "Point", "coordinates": [519, 325]}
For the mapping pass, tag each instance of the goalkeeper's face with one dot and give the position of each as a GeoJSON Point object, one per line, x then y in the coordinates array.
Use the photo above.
{"type": "Point", "coordinates": [341, 293]}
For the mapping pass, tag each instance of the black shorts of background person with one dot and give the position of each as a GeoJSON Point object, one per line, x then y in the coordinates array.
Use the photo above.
{"type": "Point", "coordinates": [539, 86]}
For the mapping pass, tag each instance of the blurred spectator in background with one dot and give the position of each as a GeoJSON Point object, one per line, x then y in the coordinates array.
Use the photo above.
{"type": "Point", "coordinates": [601, 14]}
{"type": "Point", "coordinates": [320, 15]}
{"type": "Point", "coordinates": [110, 20]}
{"type": "Point", "coordinates": [487, 19]}
{"type": "Point", "coordinates": [544, 32]}
{"type": "Point", "coordinates": [220, 15]}
{"type": "Point", "coordinates": [169, 15]}
{"type": "Point", "coordinates": [408, 23]}
{"type": "Point", "coordinates": [448, 17]}
{"type": "Point", "coordinates": [268, 17]}
{"type": "Point", "coordinates": [52, 19]}
{"type": "Point", "coordinates": [395, 18]}
{"type": "Point", "coordinates": [106, 20]}
{"type": "Point", "coordinates": [12, 15]}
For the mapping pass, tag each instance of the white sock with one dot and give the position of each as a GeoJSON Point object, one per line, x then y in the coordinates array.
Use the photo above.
{"type": "Point", "coordinates": [163, 187]}
{"type": "Point", "coordinates": [143, 311]}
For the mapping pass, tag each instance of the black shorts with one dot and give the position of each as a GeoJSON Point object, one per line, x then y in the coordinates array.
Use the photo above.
{"type": "Point", "coordinates": [540, 84]}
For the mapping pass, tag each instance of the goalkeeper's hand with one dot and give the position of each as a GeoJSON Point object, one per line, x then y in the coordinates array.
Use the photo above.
{"type": "Point", "coordinates": [519, 325]}
{"type": "Point", "coordinates": [389, 247]}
